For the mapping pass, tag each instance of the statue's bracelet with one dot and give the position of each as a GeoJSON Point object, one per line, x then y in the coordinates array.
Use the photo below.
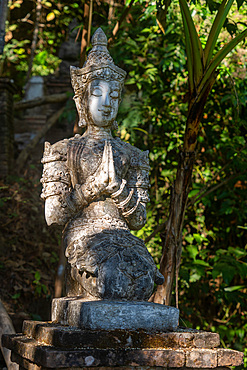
{"type": "Point", "coordinates": [120, 190]}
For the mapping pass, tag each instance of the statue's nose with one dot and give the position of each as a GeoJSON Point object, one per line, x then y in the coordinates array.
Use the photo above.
{"type": "Point", "coordinates": [107, 100]}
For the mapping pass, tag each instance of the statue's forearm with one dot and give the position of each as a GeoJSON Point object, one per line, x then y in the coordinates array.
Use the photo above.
{"type": "Point", "coordinates": [131, 205]}
{"type": "Point", "coordinates": [62, 203]}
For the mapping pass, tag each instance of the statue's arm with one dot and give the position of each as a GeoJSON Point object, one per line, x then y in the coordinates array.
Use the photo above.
{"type": "Point", "coordinates": [56, 183]}
{"type": "Point", "coordinates": [132, 196]}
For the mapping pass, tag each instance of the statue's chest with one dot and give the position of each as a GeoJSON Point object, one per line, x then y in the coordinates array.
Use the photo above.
{"type": "Point", "coordinates": [89, 157]}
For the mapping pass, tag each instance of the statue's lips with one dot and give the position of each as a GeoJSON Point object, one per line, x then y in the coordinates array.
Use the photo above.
{"type": "Point", "coordinates": [105, 112]}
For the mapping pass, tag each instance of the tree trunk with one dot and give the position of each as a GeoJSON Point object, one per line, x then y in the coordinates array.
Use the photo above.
{"type": "Point", "coordinates": [172, 237]}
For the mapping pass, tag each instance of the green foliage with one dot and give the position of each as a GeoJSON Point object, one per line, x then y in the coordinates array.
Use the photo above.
{"type": "Point", "coordinates": [212, 281]}
{"type": "Point", "coordinates": [39, 287]}
{"type": "Point", "coordinates": [56, 17]}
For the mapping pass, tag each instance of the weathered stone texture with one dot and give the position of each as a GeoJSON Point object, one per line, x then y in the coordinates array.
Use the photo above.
{"type": "Point", "coordinates": [206, 340]}
{"type": "Point", "coordinates": [52, 357]}
{"type": "Point", "coordinates": [227, 357]}
{"type": "Point", "coordinates": [110, 315]}
{"type": "Point", "coordinates": [49, 345]}
{"type": "Point", "coordinates": [63, 337]}
{"type": "Point", "coordinates": [199, 358]}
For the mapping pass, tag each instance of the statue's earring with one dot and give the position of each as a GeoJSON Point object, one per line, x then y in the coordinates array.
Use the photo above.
{"type": "Point", "coordinates": [82, 122]}
{"type": "Point", "coordinates": [82, 114]}
{"type": "Point", "coordinates": [114, 125]}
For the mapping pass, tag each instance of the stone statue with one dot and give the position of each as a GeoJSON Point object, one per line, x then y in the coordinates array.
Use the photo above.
{"type": "Point", "coordinates": [97, 186]}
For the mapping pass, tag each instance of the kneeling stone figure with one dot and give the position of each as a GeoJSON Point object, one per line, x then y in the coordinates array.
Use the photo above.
{"type": "Point", "coordinates": [97, 186]}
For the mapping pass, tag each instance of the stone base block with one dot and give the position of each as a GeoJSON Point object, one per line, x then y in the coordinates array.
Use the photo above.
{"type": "Point", "coordinates": [44, 346]}
{"type": "Point", "coordinates": [110, 315]}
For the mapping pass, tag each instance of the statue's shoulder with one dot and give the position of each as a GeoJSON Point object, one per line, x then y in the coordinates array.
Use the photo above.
{"type": "Point", "coordinates": [59, 150]}
{"type": "Point", "coordinates": [138, 158]}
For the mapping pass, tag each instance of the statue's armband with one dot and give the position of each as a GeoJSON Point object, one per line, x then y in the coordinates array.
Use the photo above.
{"type": "Point", "coordinates": [56, 184]}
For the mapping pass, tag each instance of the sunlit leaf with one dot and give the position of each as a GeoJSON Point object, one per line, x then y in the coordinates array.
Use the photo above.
{"type": "Point", "coordinates": [50, 16]}
{"type": "Point", "coordinates": [234, 288]}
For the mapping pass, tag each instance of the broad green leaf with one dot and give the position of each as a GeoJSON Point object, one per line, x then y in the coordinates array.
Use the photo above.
{"type": "Point", "coordinates": [228, 271]}
{"type": "Point", "coordinates": [198, 238]}
{"type": "Point", "coordinates": [189, 238]}
{"type": "Point", "coordinates": [216, 28]}
{"type": "Point", "coordinates": [200, 263]}
{"type": "Point", "coordinates": [196, 46]}
{"type": "Point", "coordinates": [195, 276]}
{"type": "Point", "coordinates": [219, 57]}
{"type": "Point", "coordinates": [193, 251]}
{"type": "Point", "coordinates": [193, 193]}
{"type": "Point", "coordinates": [234, 288]}
{"type": "Point", "coordinates": [189, 58]}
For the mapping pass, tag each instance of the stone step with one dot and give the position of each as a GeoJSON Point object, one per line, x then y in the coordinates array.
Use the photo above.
{"type": "Point", "coordinates": [35, 354]}
{"type": "Point", "coordinates": [64, 337]}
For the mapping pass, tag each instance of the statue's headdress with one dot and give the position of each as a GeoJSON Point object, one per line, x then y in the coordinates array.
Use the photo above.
{"type": "Point", "coordinates": [99, 64]}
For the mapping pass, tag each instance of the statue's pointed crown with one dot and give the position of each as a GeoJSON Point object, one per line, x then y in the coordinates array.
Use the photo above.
{"type": "Point", "coordinates": [99, 64]}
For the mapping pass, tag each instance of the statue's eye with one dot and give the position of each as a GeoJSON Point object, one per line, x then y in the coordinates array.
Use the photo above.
{"type": "Point", "coordinates": [97, 92]}
{"type": "Point", "coordinates": [114, 94]}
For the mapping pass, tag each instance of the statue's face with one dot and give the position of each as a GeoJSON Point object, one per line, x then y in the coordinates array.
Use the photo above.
{"type": "Point", "coordinates": [103, 102]}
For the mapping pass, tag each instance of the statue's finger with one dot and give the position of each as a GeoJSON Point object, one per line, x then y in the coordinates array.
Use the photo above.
{"type": "Point", "coordinates": [112, 173]}
{"type": "Point", "coordinates": [105, 164]}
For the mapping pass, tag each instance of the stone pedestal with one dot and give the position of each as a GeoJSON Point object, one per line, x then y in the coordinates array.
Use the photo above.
{"type": "Point", "coordinates": [111, 315]}
{"type": "Point", "coordinates": [108, 334]}
{"type": "Point", "coordinates": [54, 346]}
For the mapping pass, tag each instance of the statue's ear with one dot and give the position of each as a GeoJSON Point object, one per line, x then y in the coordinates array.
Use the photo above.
{"type": "Point", "coordinates": [114, 125]}
{"type": "Point", "coordinates": [81, 111]}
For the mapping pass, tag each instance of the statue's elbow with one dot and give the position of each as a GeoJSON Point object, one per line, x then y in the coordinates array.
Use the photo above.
{"type": "Point", "coordinates": [137, 223]}
{"type": "Point", "coordinates": [53, 213]}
